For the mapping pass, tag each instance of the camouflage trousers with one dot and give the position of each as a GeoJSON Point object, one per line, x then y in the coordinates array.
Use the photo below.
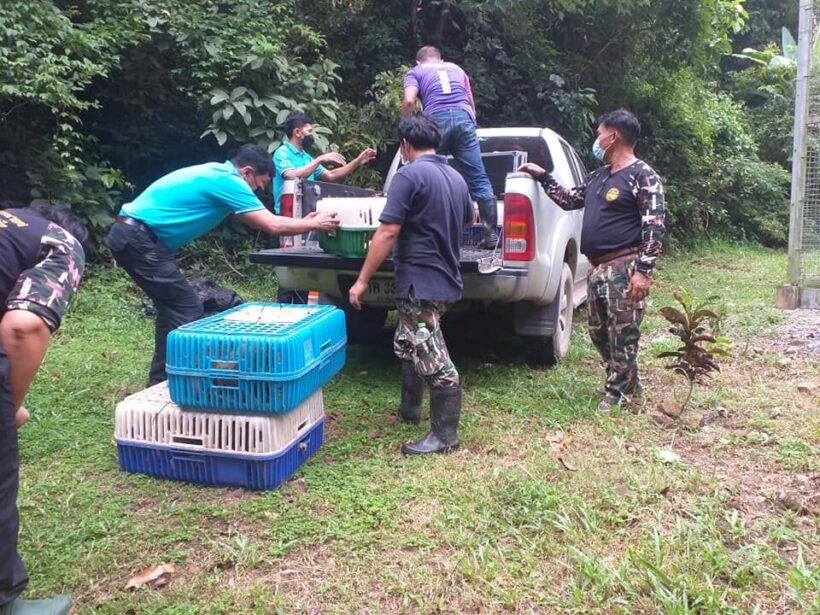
{"type": "Point", "coordinates": [47, 288]}
{"type": "Point", "coordinates": [431, 359]}
{"type": "Point", "coordinates": [615, 324]}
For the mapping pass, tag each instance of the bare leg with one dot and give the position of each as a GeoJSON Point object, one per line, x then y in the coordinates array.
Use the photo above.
{"type": "Point", "coordinates": [24, 335]}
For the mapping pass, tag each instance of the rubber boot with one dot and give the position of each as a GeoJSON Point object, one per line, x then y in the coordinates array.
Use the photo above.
{"type": "Point", "coordinates": [489, 218]}
{"type": "Point", "coordinates": [58, 605]}
{"type": "Point", "coordinates": [445, 410]}
{"type": "Point", "coordinates": [412, 394]}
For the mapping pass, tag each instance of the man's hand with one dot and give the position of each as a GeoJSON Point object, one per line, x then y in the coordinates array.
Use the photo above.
{"type": "Point", "coordinates": [533, 169]}
{"type": "Point", "coordinates": [638, 287]}
{"type": "Point", "coordinates": [357, 291]}
{"type": "Point", "coordinates": [333, 158]}
{"type": "Point", "coordinates": [324, 221]}
{"type": "Point", "coordinates": [21, 417]}
{"type": "Point", "coordinates": [366, 156]}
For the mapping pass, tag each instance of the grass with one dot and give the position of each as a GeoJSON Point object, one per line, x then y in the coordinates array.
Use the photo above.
{"type": "Point", "coordinates": [500, 526]}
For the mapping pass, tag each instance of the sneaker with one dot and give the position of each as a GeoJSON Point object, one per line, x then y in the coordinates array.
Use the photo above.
{"type": "Point", "coordinates": [608, 403]}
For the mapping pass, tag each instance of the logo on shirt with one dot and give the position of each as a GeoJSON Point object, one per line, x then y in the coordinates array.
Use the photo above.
{"type": "Point", "coordinates": [612, 194]}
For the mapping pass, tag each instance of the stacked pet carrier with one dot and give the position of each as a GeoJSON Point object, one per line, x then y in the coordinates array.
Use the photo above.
{"type": "Point", "coordinates": [243, 403]}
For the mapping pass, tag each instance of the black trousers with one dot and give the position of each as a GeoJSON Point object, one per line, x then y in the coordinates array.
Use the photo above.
{"type": "Point", "coordinates": [13, 577]}
{"type": "Point", "coordinates": [156, 271]}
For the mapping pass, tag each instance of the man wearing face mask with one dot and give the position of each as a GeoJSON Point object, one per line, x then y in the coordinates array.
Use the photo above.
{"type": "Point", "coordinates": [428, 206]}
{"type": "Point", "coordinates": [178, 208]}
{"type": "Point", "coordinates": [622, 236]}
{"type": "Point", "coordinates": [292, 161]}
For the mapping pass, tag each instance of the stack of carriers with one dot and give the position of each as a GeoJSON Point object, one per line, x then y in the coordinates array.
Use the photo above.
{"type": "Point", "coordinates": [243, 403]}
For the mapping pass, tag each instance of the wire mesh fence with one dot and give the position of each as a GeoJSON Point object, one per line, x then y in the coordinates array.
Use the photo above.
{"type": "Point", "coordinates": [806, 226]}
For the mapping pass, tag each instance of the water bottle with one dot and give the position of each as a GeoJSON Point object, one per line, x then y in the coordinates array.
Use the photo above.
{"type": "Point", "coordinates": [422, 336]}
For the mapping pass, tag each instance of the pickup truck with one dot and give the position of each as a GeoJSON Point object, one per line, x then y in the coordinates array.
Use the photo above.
{"type": "Point", "coordinates": [533, 280]}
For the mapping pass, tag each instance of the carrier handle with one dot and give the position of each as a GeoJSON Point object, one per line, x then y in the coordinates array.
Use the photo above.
{"type": "Point", "coordinates": [188, 458]}
{"type": "Point", "coordinates": [226, 365]}
{"type": "Point", "coordinates": [325, 345]}
{"type": "Point", "coordinates": [224, 383]}
{"type": "Point", "coordinates": [188, 440]}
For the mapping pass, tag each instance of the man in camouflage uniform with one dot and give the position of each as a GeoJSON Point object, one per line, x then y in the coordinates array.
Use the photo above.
{"type": "Point", "coordinates": [43, 261]}
{"type": "Point", "coordinates": [622, 237]}
{"type": "Point", "coordinates": [428, 205]}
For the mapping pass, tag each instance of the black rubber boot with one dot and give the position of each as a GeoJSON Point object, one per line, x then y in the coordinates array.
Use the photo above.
{"type": "Point", "coordinates": [489, 218]}
{"type": "Point", "coordinates": [59, 605]}
{"type": "Point", "coordinates": [412, 394]}
{"type": "Point", "coordinates": [445, 410]}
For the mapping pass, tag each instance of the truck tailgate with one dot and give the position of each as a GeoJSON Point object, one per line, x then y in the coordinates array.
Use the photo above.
{"type": "Point", "coordinates": [315, 258]}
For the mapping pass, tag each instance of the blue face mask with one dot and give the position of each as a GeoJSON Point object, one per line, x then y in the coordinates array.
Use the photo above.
{"type": "Point", "coordinates": [597, 150]}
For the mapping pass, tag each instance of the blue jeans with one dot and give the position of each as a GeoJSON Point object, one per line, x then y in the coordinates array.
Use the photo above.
{"type": "Point", "coordinates": [458, 137]}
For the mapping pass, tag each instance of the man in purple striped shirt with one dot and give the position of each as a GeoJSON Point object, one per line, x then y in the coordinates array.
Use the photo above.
{"type": "Point", "coordinates": [444, 90]}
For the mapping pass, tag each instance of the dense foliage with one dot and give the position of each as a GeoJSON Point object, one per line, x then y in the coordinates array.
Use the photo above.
{"type": "Point", "coordinates": [100, 97]}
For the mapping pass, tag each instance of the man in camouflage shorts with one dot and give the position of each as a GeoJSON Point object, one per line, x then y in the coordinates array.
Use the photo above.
{"type": "Point", "coordinates": [428, 205]}
{"type": "Point", "coordinates": [43, 262]}
{"type": "Point", "coordinates": [622, 237]}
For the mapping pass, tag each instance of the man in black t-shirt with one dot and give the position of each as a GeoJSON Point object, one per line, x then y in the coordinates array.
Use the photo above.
{"type": "Point", "coordinates": [428, 206]}
{"type": "Point", "coordinates": [622, 236]}
{"type": "Point", "coordinates": [43, 262]}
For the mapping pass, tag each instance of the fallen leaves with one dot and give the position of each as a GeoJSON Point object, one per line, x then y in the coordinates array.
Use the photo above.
{"type": "Point", "coordinates": [567, 465]}
{"type": "Point", "coordinates": [153, 576]}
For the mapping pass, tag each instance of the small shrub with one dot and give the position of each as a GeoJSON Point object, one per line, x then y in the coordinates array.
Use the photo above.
{"type": "Point", "coordinates": [694, 326]}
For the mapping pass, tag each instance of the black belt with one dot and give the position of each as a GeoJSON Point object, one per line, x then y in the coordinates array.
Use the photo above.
{"type": "Point", "coordinates": [135, 223]}
{"type": "Point", "coordinates": [611, 256]}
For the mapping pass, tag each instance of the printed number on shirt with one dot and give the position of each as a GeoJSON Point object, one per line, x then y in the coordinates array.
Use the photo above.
{"type": "Point", "coordinates": [445, 82]}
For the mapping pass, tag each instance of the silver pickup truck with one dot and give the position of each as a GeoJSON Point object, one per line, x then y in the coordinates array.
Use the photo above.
{"type": "Point", "coordinates": [533, 280]}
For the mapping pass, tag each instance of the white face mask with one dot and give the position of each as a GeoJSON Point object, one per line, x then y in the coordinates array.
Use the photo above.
{"type": "Point", "coordinates": [404, 159]}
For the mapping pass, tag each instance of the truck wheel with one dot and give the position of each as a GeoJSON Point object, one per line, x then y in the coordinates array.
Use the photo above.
{"type": "Point", "coordinates": [549, 349]}
{"type": "Point", "coordinates": [365, 326]}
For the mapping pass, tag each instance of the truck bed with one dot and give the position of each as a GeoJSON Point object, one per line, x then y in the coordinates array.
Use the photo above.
{"type": "Point", "coordinates": [315, 258]}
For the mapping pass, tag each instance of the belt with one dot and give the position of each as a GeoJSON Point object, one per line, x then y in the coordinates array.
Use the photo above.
{"type": "Point", "coordinates": [135, 223]}
{"type": "Point", "coordinates": [611, 256]}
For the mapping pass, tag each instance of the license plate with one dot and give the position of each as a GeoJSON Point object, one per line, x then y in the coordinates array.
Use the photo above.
{"type": "Point", "coordinates": [380, 291]}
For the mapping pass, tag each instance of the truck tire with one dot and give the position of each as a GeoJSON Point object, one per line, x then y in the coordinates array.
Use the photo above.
{"type": "Point", "coordinates": [549, 349]}
{"type": "Point", "coordinates": [365, 326]}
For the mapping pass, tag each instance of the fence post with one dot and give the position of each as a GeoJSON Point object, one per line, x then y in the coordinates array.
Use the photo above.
{"type": "Point", "coordinates": [798, 191]}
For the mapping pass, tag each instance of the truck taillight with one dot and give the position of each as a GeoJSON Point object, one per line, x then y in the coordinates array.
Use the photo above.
{"type": "Point", "coordinates": [519, 228]}
{"type": "Point", "coordinates": [286, 209]}
{"type": "Point", "coordinates": [286, 205]}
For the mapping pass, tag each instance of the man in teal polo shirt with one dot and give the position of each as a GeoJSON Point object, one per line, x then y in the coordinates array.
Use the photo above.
{"type": "Point", "coordinates": [292, 161]}
{"type": "Point", "coordinates": [178, 208]}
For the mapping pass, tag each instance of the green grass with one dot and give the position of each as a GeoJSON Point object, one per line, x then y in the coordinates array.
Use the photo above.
{"type": "Point", "coordinates": [499, 526]}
